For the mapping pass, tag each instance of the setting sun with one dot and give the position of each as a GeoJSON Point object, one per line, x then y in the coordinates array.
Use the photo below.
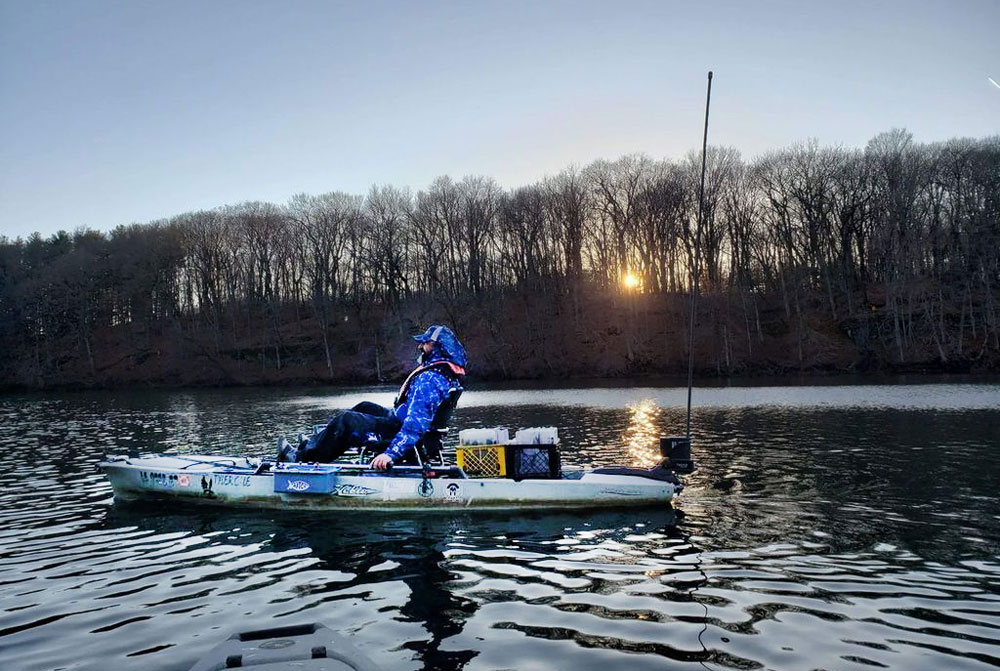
{"type": "Point", "coordinates": [631, 281]}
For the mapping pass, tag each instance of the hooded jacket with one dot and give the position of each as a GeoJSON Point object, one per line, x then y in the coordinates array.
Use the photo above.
{"type": "Point", "coordinates": [427, 388]}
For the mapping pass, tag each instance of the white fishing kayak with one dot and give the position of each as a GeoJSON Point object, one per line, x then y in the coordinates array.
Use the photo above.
{"type": "Point", "coordinates": [256, 483]}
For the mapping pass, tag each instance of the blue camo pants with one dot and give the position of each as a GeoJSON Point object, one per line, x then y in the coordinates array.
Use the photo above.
{"type": "Point", "coordinates": [364, 423]}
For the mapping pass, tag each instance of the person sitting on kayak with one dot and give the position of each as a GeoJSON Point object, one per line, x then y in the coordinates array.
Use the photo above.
{"type": "Point", "coordinates": [435, 381]}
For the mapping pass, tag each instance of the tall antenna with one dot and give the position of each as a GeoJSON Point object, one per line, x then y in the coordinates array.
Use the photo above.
{"type": "Point", "coordinates": [697, 243]}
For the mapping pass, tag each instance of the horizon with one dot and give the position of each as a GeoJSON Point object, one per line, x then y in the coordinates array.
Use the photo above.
{"type": "Point", "coordinates": [118, 114]}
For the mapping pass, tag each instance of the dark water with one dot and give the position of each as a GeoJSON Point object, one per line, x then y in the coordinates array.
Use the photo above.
{"type": "Point", "coordinates": [833, 527]}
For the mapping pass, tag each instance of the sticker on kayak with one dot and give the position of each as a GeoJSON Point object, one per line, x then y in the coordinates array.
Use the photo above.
{"type": "Point", "coordinates": [184, 480]}
{"type": "Point", "coordinates": [232, 480]}
{"type": "Point", "coordinates": [453, 492]}
{"type": "Point", "coordinates": [425, 488]}
{"type": "Point", "coordinates": [165, 480]}
{"type": "Point", "coordinates": [353, 490]}
{"type": "Point", "coordinates": [298, 485]}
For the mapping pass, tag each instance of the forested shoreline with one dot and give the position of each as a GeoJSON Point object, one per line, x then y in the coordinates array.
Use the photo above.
{"type": "Point", "coordinates": [809, 258]}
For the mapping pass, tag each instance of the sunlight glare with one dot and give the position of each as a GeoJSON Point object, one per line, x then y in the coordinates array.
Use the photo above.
{"type": "Point", "coordinates": [642, 436]}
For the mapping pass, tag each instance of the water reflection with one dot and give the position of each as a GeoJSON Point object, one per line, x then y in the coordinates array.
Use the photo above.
{"type": "Point", "coordinates": [407, 577]}
{"type": "Point", "coordinates": [641, 436]}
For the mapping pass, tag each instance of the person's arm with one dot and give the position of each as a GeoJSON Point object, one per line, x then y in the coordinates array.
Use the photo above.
{"type": "Point", "coordinates": [428, 392]}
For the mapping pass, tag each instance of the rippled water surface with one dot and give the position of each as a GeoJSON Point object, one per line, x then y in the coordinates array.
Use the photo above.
{"type": "Point", "coordinates": [828, 527]}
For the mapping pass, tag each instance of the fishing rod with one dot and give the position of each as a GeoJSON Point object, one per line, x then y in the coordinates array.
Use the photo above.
{"type": "Point", "coordinates": [697, 242]}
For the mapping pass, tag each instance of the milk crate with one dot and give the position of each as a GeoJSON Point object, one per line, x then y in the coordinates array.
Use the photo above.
{"type": "Point", "coordinates": [533, 462]}
{"type": "Point", "coordinates": [487, 461]}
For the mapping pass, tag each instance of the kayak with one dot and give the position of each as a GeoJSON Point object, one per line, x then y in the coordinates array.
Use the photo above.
{"type": "Point", "coordinates": [259, 483]}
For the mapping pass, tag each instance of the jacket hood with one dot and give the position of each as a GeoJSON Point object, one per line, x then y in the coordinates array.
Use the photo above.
{"type": "Point", "coordinates": [448, 348]}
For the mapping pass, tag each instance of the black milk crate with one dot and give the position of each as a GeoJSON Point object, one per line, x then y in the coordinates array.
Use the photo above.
{"type": "Point", "coordinates": [533, 462]}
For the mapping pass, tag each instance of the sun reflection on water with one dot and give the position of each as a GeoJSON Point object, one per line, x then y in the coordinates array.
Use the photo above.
{"type": "Point", "coordinates": [642, 435]}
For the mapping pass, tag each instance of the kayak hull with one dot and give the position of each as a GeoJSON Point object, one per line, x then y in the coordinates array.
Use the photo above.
{"type": "Point", "coordinates": [239, 482]}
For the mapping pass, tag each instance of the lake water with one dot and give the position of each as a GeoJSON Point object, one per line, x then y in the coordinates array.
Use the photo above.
{"type": "Point", "coordinates": [828, 527]}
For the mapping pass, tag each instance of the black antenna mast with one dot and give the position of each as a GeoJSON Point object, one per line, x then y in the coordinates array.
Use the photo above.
{"type": "Point", "coordinates": [697, 243]}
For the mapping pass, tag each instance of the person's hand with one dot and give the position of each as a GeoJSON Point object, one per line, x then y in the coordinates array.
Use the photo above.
{"type": "Point", "coordinates": [381, 462]}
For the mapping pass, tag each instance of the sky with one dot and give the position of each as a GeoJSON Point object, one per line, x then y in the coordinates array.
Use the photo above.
{"type": "Point", "coordinates": [117, 112]}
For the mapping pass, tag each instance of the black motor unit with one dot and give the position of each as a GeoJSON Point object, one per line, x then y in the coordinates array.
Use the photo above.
{"type": "Point", "coordinates": [676, 450]}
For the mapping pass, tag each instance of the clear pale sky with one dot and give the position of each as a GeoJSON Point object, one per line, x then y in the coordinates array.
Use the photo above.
{"type": "Point", "coordinates": [113, 112]}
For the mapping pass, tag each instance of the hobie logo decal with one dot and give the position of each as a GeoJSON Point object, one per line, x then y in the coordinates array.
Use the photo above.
{"type": "Point", "coordinates": [353, 490]}
{"type": "Point", "coordinates": [298, 485]}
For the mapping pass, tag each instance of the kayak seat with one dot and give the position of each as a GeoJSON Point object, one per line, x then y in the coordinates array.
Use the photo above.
{"type": "Point", "coordinates": [658, 472]}
{"type": "Point", "coordinates": [430, 444]}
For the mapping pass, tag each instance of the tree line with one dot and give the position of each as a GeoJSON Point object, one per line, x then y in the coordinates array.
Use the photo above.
{"type": "Point", "coordinates": [808, 257]}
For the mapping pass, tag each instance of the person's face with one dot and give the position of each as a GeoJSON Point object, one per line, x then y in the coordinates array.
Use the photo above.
{"type": "Point", "coordinates": [425, 347]}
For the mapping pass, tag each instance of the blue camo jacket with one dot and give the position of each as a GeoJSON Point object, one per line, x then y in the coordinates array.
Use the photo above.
{"type": "Point", "coordinates": [427, 391]}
